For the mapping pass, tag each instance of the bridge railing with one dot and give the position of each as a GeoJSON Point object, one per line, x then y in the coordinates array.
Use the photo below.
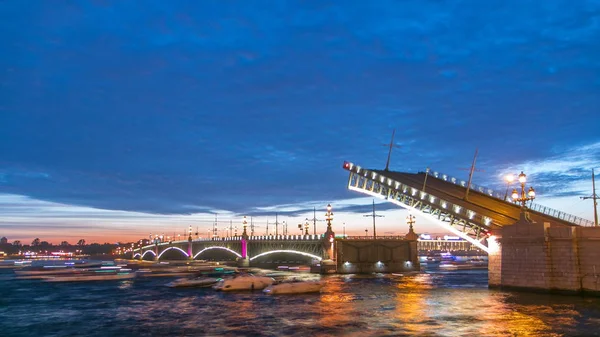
{"type": "Point", "coordinates": [534, 207]}
{"type": "Point", "coordinates": [262, 237]}
{"type": "Point", "coordinates": [285, 237]}
{"type": "Point", "coordinates": [561, 215]}
{"type": "Point", "coordinates": [370, 237]}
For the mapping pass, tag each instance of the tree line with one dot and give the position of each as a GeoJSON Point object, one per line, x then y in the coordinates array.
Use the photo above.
{"type": "Point", "coordinates": [39, 247]}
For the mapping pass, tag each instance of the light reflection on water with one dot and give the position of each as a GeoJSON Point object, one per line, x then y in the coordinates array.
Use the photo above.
{"type": "Point", "coordinates": [455, 303]}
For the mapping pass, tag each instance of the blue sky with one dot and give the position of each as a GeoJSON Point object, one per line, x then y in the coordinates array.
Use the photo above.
{"type": "Point", "coordinates": [130, 111]}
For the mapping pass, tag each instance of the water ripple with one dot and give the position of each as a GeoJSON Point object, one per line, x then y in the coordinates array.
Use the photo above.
{"type": "Point", "coordinates": [430, 304]}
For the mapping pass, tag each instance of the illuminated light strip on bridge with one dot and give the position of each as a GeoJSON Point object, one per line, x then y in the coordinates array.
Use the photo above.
{"type": "Point", "coordinates": [177, 248]}
{"type": "Point", "coordinates": [148, 251]}
{"type": "Point", "coordinates": [217, 247]}
{"type": "Point", "coordinates": [287, 251]}
{"type": "Point", "coordinates": [429, 216]}
{"type": "Point", "coordinates": [136, 254]}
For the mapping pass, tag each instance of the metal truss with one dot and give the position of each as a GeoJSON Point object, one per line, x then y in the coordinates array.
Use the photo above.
{"type": "Point", "coordinates": [462, 222]}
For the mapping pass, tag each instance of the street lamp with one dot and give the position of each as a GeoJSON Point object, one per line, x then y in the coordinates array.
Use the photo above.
{"type": "Point", "coordinates": [244, 222]}
{"type": "Point", "coordinates": [329, 217]}
{"type": "Point", "coordinates": [306, 225]}
{"type": "Point", "coordinates": [523, 198]}
{"type": "Point", "coordinates": [410, 220]}
{"type": "Point", "coordinates": [509, 180]}
{"type": "Point", "coordinates": [344, 230]}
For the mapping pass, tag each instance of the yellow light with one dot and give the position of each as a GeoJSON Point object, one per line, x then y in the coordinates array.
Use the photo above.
{"type": "Point", "coordinates": [510, 178]}
{"type": "Point", "coordinates": [522, 178]}
{"type": "Point", "coordinates": [328, 207]}
{"type": "Point", "coordinates": [531, 192]}
{"type": "Point", "coordinates": [493, 245]}
{"type": "Point", "coordinates": [515, 194]}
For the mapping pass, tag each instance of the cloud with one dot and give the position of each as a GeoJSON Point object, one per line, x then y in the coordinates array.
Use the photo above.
{"type": "Point", "coordinates": [566, 173]}
{"type": "Point", "coordinates": [184, 109]}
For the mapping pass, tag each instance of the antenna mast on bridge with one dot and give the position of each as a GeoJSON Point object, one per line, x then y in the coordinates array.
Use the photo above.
{"type": "Point", "coordinates": [391, 145]}
{"type": "Point", "coordinates": [374, 216]}
{"type": "Point", "coordinates": [594, 198]}
{"type": "Point", "coordinates": [314, 219]}
{"type": "Point", "coordinates": [471, 171]}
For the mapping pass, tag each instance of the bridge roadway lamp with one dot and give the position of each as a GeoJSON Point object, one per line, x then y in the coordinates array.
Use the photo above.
{"type": "Point", "coordinates": [523, 197]}
{"type": "Point", "coordinates": [510, 178]}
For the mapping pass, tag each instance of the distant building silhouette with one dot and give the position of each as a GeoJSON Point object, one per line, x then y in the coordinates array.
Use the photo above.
{"type": "Point", "coordinates": [3, 241]}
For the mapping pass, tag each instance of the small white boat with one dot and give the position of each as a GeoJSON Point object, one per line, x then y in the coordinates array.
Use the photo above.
{"type": "Point", "coordinates": [295, 287]}
{"type": "Point", "coordinates": [194, 282]}
{"type": "Point", "coordinates": [246, 282]}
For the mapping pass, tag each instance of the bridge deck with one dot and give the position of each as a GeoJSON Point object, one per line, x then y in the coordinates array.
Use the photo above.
{"type": "Point", "coordinates": [502, 212]}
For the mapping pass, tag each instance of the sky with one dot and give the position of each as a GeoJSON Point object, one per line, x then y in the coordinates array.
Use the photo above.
{"type": "Point", "coordinates": [121, 119]}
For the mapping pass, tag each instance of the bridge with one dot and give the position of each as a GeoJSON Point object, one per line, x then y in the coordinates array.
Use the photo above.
{"type": "Point", "coordinates": [250, 248]}
{"type": "Point", "coordinates": [444, 200]}
{"type": "Point", "coordinates": [325, 253]}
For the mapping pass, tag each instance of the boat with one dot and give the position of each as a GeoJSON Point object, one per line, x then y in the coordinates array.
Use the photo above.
{"type": "Point", "coordinates": [199, 282]}
{"type": "Point", "coordinates": [477, 262]}
{"type": "Point", "coordinates": [301, 287]}
{"type": "Point", "coordinates": [50, 270]}
{"type": "Point", "coordinates": [245, 282]}
{"type": "Point", "coordinates": [94, 275]}
{"type": "Point", "coordinates": [433, 259]}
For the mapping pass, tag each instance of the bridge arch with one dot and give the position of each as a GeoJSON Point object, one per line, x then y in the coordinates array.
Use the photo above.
{"type": "Point", "coordinates": [176, 248]}
{"type": "Point", "coordinates": [286, 251]}
{"type": "Point", "coordinates": [148, 251]}
{"type": "Point", "coordinates": [136, 255]}
{"type": "Point", "coordinates": [217, 247]}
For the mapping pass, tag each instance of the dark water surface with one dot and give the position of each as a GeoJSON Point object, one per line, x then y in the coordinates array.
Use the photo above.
{"type": "Point", "coordinates": [435, 303]}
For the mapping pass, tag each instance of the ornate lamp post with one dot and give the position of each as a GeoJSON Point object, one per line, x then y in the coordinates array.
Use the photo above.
{"type": "Point", "coordinates": [509, 180]}
{"type": "Point", "coordinates": [244, 223]}
{"type": "Point", "coordinates": [329, 218]}
{"type": "Point", "coordinates": [410, 220]}
{"type": "Point", "coordinates": [306, 225]}
{"type": "Point", "coordinates": [523, 197]}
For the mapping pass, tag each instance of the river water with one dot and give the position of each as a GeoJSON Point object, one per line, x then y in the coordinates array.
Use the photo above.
{"type": "Point", "coordinates": [434, 303]}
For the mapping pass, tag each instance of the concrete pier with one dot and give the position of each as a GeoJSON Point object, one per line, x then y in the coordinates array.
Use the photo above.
{"type": "Point", "coordinates": [380, 256]}
{"type": "Point", "coordinates": [545, 257]}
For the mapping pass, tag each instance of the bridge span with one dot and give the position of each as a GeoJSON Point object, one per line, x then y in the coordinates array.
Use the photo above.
{"type": "Point", "coordinates": [325, 253]}
{"type": "Point", "coordinates": [444, 200]}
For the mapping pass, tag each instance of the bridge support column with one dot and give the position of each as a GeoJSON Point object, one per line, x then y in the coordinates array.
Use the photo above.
{"type": "Point", "coordinates": [545, 257]}
{"type": "Point", "coordinates": [156, 251]}
{"type": "Point", "coordinates": [189, 250]}
{"type": "Point", "coordinates": [328, 264]}
{"type": "Point", "coordinates": [244, 261]}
